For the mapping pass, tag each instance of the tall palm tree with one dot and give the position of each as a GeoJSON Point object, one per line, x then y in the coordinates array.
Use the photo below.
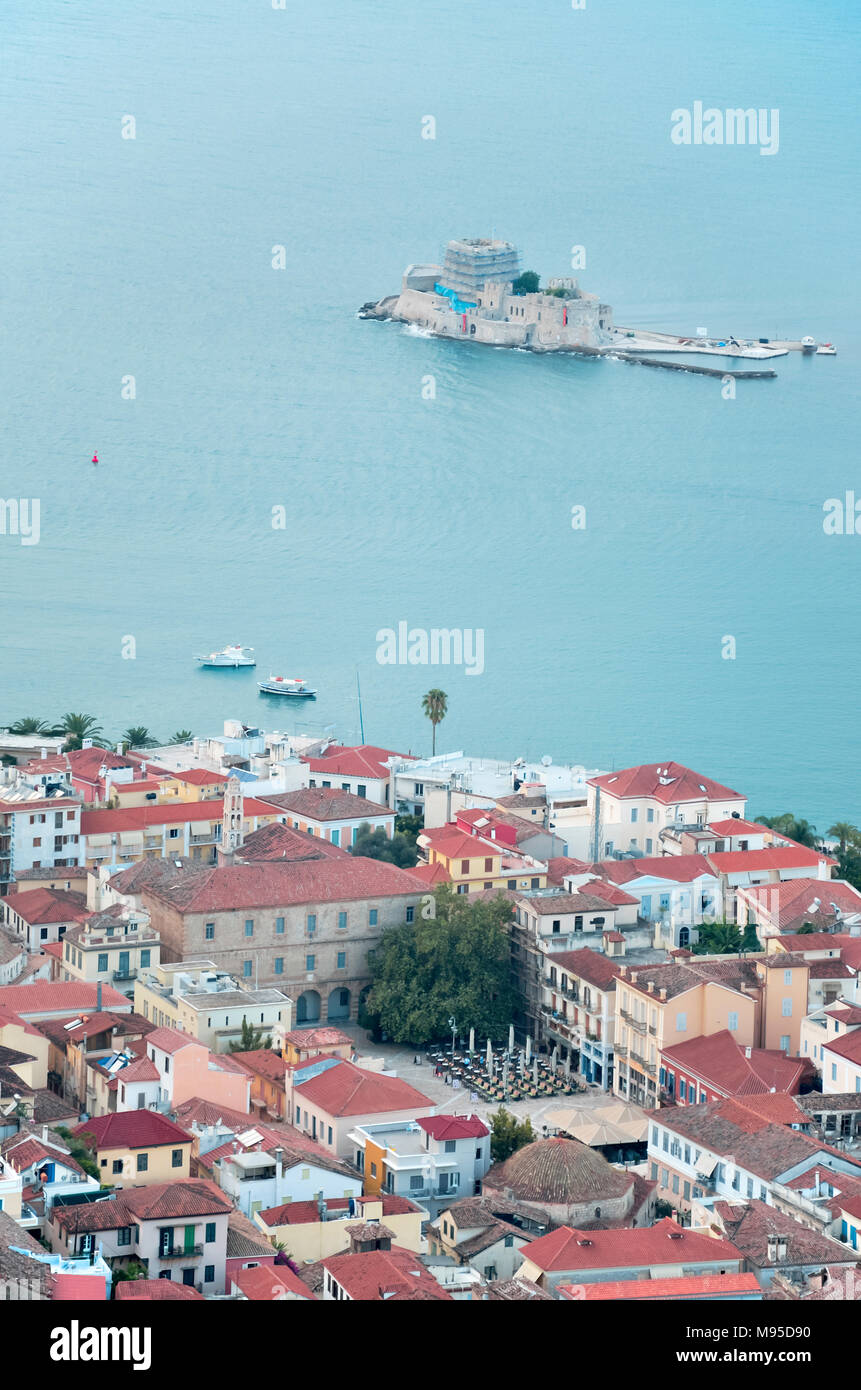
{"type": "Point", "coordinates": [435, 708]}
{"type": "Point", "coordinates": [138, 736]}
{"type": "Point", "coordinates": [77, 727]}
{"type": "Point", "coordinates": [844, 833]}
{"type": "Point", "coordinates": [30, 725]}
{"type": "Point", "coordinates": [181, 736]}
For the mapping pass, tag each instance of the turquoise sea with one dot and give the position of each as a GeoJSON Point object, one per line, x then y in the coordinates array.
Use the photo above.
{"type": "Point", "coordinates": [256, 388]}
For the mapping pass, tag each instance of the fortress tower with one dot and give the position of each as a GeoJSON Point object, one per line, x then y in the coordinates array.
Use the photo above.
{"type": "Point", "coordinates": [471, 262]}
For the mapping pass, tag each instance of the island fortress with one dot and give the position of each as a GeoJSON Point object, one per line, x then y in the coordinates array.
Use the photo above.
{"type": "Point", "coordinates": [474, 295]}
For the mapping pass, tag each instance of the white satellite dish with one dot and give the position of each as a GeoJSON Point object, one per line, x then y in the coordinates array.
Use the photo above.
{"type": "Point", "coordinates": [546, 760]}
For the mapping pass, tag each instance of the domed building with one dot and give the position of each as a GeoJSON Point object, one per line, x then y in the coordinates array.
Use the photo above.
{"type": "Point", "coordinates": [564, 1182]}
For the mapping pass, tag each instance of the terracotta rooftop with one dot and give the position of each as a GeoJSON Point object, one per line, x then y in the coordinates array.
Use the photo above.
{"type": "Point", "coordinates": [344, 1089]}
{"type": "Point", "coordinates": [41, 905]}
{"type": "Point", "coordinates": [668, 783]}
{"type": "Point", "coordinates": [273, 884]}
{"type": "Point", "coordinates": [276, 843]}
{"type": "Point", "coordinates": [723, 1064]}
{"type": "Point", "coordinates": [696, 1287]}
{"type": "Point", "coordinates": [131, 1129]}
{"type": "Point", "coordinates": [327, 803]}
{"type": "Point", "coordinates": [665, 1243]}
{"type": "Point", "coordinates": [556, 1171]}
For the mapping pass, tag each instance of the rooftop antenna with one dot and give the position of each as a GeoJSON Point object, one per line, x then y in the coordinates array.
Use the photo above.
{"type": "Point", "coordinates": [361, 721]}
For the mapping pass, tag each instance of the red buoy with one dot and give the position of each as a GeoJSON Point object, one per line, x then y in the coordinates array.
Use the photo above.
{"type": "Point", "coordinates": [95, 458]}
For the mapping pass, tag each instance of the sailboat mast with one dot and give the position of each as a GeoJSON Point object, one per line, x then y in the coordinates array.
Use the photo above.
{"type": "Point", "coordinates": [361, 721]}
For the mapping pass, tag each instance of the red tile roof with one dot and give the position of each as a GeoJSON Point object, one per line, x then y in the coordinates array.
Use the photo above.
{"type": "Point", "coordinates": [719, 1062]}
{"type": "Point", "coordinates": [162, 1201]}
{"type": "Point", "coordinates": [328, 803]}
{"type": "Point", "coordinates": [41, 905]}
{"type": "Point", "coordinates": [665, 1243]}
{"type": "Point", "coordinates": [344, 1089]}
{"type": "Point", "coordinates": [457, 844]}
{"type": "Point", "coordinates": [789, 900]}
{"type": "Point", "coordinates": [59, 996]}
{"type": "Point", "coordinates": [269, 1283]}
{"type": "Point", "coordinates": [665, 782]}
{"type": "Point", "coordinates": [317, 1037]}
{"type": "Point", "coordinates": [608, 893]}
{"type": "Point", "coordinates": [454, 1126]}
{"type": "Point", "coordinates": [171, 1040]}
{"type": "Point", "coordinates": [262, 1061]}
{"type": "Point", "coordinates": [131, 1129]}
{"type": "Point", "coordinates": [244, 886]}
{"type": "Point", "coordinates": [690, 1286]}
{"type": "Point", "coordinates": [586, 964]}
{"type": "Point", "coordinates": [360, 760]}
{"type": "Point", "coordinates": [676, 868]}
{"type": "Point", "coordinates": [560, 866]}
{"type": "Point", "coordinates": [380, 1275]}
{"type": "Point", "coordinates": [200, 777]}
{"type": "Point", "coordinates": [24, 1149]}
{"type": "Point", "coordinates": [431, 873]}
{"type": "Point", "coordinates": [276, 841]}
{"type": "Point", "coordinates": [725, 829]}
{"type": "Point", "coordinates": [156, 1291]}
{"type": "Point", "coordinates": [848, 1045]}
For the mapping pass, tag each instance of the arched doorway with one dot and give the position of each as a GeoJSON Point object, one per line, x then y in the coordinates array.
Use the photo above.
{"type": "Point", "coordinates": [308, 1007]}
{"type": "Point", "coordinates": [339, 1005]}
{"type": "Point", "coordinates": [684, 936]}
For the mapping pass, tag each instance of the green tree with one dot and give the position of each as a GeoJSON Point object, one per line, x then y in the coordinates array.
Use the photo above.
{"type": "Point", "coordinates": [30, 725]}
{"type": "Point", "coordinates": [453, 961]}
{"type": "Point", "coordinates": [793, 827]}
{"type": "Point", "coordinates": [251, 1039]}
{"type": "Point", "coordinates": [849, 865]}
{"type": "Point", "coordinates": [718, 939]}
{"type": "Point", "coordinates": [409, 825]}
{"type": "Point", "coordinates": [77, 727]}
{"type": "Point", "coordinates": [133, 1270]}
{"type": "Point", "coordinates": [138, 736]}
{"type": "Point", "coordinates": [376, 844]}
{"type": "Point", "coordinates": [508, 1134]}
{"type": "Point", "coordinates": [806, 929]}
{"type": "Point", "coordinates": [527, 282]}
{"type": "Point", "coordinates": [181, 736]}
{"type": "Point", "coordinates": [749, 939]}
{"type": "Point", "coordinates": [435, 708]}
{"type": "Point", "coordinates": [81, 1150]}
{"type": "Point", "coordinates": [844, 833]}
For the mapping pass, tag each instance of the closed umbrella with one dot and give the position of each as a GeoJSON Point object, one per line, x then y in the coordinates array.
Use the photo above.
{"type": "Point", "coordinates": [528, 1049]}
{"type": "Point", "coordinates": [472, 1039]}
{"type": "Point", "coordinates": [535, 1070]}
{"type": "Point", "coordinates": [489, 1060]}
{"type": "Point", "coordinates": [511, 1038]}
{"type": "Point", "coordinates": [554, 1058]}
{"type": "Point", "coordinates": [568, 1066]}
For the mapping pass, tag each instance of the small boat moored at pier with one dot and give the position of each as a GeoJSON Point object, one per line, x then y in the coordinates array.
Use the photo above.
{"type": "Point", "coordinates": [287, 685]}
{"type": "Point", "coordinates": [808, 344]}
{"type": "Point", "coordinates": [826, 350]}
{"type": "Point", "coordinates": [229, 656]}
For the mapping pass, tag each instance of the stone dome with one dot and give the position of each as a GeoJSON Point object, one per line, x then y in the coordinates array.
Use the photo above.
{"type": "Point", "coordinates": [558, 1172]}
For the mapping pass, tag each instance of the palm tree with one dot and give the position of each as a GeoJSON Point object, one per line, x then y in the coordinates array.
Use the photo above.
{"type": "Point", "coordinates": [794, 828]}
{"type": "Point", "coordinates": [138, 736]}
{"type": "Point", "coordinates": [844, 833]}
{"type": "Point", "coordinates": [435, 707]}
{"type": "Point", "coordinates": [77, 727]}
{"type": "Point", "coordinates": [181, 736]}
{"type": "Point", "coordinates": [30, 725]}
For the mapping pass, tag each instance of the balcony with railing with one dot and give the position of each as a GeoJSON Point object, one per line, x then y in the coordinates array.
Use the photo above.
{"type": "Point", "coordinates": [179, 1252]}
{"type": "Point", "coordinates": [125, 974]}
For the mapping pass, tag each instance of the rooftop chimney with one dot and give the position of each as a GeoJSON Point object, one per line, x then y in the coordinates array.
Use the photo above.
{"type": "Point", "coordinates": [99, 997]}
{"type": "Point", "coordinates": [651, 986]}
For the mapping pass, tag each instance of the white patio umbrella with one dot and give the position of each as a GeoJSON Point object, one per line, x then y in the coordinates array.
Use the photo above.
{"type": "Point", "coordinates": [511, 1038]}
{"type": "Point", "coordinates": [489, 1060]}
{"type": "Point", "coordinates": [472, 1039]}
{"type": "Point", "coordinates": [528, 1048]}
{"type": "Point", "coordinates": [535, 1070]}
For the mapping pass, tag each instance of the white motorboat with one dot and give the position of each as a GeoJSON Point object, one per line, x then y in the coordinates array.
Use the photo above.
{"type": "Point", "coordinates": [826, 350]}
{"type": "Point", "coordinates": [229, 656]}
{"type": "Point", "coordinates": [808, 344]}
{"type": "Point", "coordinates": [287, 685]}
